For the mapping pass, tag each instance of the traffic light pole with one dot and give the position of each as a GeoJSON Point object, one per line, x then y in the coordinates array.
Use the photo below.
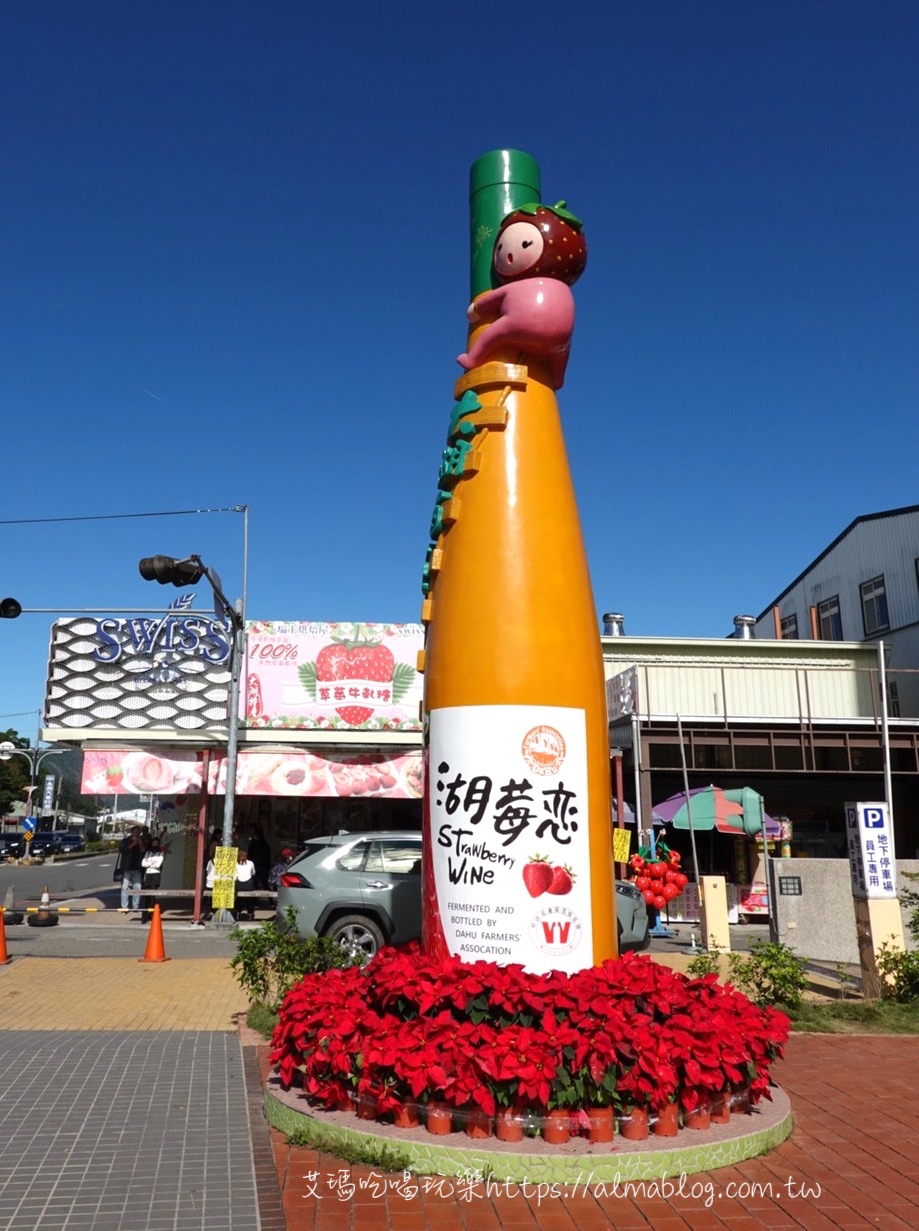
{"type": "Point", "coordinates": [186, 572]}
{"type": "Point", "coordinates": [232, 732]}
{"type": "Point", "coordinates": [237, 626]}
{"type": "Point", "coordinates": [223, 916]}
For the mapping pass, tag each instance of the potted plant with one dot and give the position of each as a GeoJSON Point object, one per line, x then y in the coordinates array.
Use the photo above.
{"type": "Point", "coordinates": [598, 1108]}
{"type": "Point", "coordinates": [594, 1091]}
{"type": "Point", "coordinates": [633, 1118]}
{"type": "Point", "coordinates": [665, 1116]}
{"type": "Point", "coordinates": [556, 1117]}
{"type": "Point", "coordinates": [662, 1099]}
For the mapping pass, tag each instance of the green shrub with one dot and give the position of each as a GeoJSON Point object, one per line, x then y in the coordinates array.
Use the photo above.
{"type": "Point", "coordinates": [771, 974]}
{"type": "Point", "coordinates": [899, 974]}
{"type": "Point", "coordinates": [270, 959]}
{"type": "Point", "coordinates": [910, 899]}
{"type": "Point", "coordinates": [704, 963]}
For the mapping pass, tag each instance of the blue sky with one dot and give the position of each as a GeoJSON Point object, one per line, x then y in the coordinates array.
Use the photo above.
{"type": "Point", "coordinates": [235, 271]}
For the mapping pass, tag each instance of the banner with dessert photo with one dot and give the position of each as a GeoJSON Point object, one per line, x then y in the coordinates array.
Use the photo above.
{"type": "Point", "coordinates": [114, 771]}
{"type": "Point", "coordinates": [295, 773]}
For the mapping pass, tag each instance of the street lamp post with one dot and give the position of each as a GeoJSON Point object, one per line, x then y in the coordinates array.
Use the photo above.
{"type": "Point", "coordinates": [180, 573]}
{"type": "Point", "coordinates": [34, 756]}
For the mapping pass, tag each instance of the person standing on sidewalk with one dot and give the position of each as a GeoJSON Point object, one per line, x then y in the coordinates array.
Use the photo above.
{"type": "Point", "coordinates": [245, 882]}
{"type": "Point", "coordinates": [152, 864]}
{"type": "Point", "coordinates": [130, 860]}
{"type": "Point", "coordinates": [260, 854]}
{"type": "Point", "coordinates": [274, 876]}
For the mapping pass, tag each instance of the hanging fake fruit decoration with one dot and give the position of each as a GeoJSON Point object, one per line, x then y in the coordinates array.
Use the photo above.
{"type": "Point", "coordinates": [657, 874]}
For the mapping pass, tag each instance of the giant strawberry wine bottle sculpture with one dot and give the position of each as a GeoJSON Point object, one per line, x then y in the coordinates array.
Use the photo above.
{"type": "Point", "coordinates": [514, 1011]}
{"type": "Point", "coordinates": [514, 700]}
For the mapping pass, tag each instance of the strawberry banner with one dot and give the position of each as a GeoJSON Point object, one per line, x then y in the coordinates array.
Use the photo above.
{"type": "Point", "coordinates": [309, 676]}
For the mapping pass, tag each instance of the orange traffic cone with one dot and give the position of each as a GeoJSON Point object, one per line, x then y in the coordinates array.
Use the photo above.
{"type": "Point", "coordinates": [4, 960]}
{"type": "Point", "coordinates": [155, 951]}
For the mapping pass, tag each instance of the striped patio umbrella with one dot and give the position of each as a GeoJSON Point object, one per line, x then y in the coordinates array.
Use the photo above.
{"type": "Point", "coordinates": [737, 811]}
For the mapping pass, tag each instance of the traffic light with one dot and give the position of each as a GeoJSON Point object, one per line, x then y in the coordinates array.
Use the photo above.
{"type": "Point", "coordinates": [9, 609]}
{"type": "Point", "coordinates": [166, 569]}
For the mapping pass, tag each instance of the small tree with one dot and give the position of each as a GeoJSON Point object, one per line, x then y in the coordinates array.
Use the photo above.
{"type": "Point", "coordinates": [270, 959]}
{"type": "Point", "coordinates": [14, 774]}
{"type": "Point", "coordinates": [772, 974]}
{"type": "Point", "coordinates": [899, 968]}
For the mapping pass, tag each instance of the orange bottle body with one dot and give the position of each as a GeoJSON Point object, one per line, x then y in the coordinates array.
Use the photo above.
{"type": "Point", "coordinates": [516, 727]}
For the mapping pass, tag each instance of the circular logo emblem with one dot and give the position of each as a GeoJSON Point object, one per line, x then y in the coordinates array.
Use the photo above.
{"type": "Point", "coordinates": [555, 930]}
{"type": "Point", "coordinates": [543, 750]}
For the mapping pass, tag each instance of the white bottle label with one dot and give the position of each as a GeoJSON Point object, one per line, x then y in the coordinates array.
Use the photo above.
{"type": "Point", "coordinates": [509, 834]}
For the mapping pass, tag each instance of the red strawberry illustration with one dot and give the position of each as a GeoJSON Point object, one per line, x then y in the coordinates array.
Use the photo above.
{"type": "Point", "coordinates": [114, 775]}
{"type": "Point", "coordinates": [357, 653]}
{"type": "Point", "coordinates": [354, 715]}
{"type": "Point", "coordinates": [537, 875]}
{"type": "Point", "coordinates": [562, 880]}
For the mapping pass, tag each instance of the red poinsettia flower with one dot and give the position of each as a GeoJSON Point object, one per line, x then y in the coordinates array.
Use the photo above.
{"type": "Point", "coordinates": [406, 1027]}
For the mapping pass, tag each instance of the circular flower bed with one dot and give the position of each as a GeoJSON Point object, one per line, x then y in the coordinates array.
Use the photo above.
{"type": "Point", "coordinates": [405, 1031]}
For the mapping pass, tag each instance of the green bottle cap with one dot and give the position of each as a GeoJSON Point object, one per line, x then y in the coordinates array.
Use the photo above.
{"type": "Point", "coordinates": [499, 182]}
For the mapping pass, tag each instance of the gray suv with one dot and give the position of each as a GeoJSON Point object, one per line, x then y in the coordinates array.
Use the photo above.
{"type": "Point", "coordinates": [364, 889]}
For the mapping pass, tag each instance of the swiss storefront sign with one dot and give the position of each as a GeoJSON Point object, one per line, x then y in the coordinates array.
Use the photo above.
{"type": "Point", "coordinates": [172, 672]}
{"type": "Point", "coordinates": [111, 771]}
{"type": "Point", "coordinates": [153, 672]}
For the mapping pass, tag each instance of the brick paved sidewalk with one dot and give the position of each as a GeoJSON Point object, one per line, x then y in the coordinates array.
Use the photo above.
{"type": "Point", "coordinates": [125, 1131]}
{"type": "Point", "coordinates": [113, 993]}
{"type": "Point", "coordinates": [852, 1164]}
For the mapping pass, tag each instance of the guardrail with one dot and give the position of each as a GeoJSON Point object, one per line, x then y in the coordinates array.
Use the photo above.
{"type": "Point", "coordinates": [263, 894]}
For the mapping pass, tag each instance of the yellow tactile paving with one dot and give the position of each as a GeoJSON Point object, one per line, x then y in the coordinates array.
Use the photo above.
{"type": "Point", "coordinates": [119, 994]}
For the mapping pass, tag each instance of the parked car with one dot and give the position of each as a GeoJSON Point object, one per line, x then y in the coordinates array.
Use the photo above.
{"type": "Point", "coordinates": [44, 843]}
{"type": "Point", "coordinates": [631, 918]}
{"type": "Point", "coordinates": [365, 891]}
{"type": "Point", "coordinates": [70, 841]}
{"type": "Point", "coordinates": [11, 846]}
{"type": "Point", "coordinates": [361, 889]}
